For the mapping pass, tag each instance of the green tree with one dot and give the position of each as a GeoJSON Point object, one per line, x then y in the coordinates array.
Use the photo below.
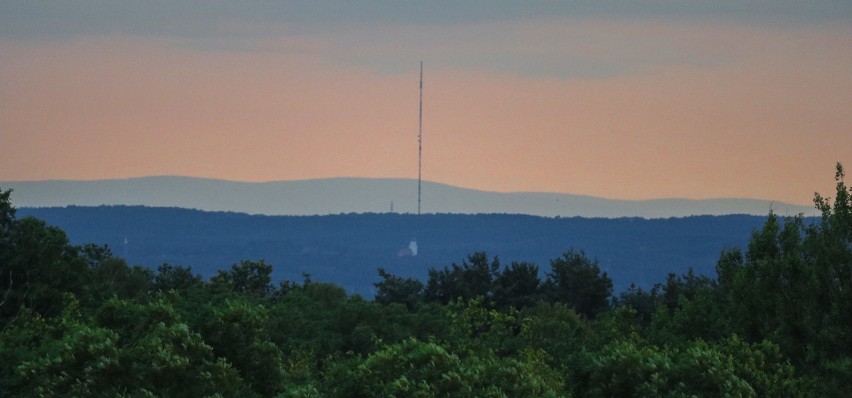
{"type": "Point", "coordinates": [113, 277]}
{"type": "Point", "coordinates": [645, 303]}
{"type": "Point", "coordinates": [793, 286]}
{"type": "Point", "coordinates": [517, 286]}
{"type": "Point", "coordinates": [697, 369]}
{"type": "Point", "coordinates": [161, 355]}
{"type": "Point", "coordinates": [828, 245]}
{"type": "Point", "coordinates": [466, 281]}
{"type": "Point", "coordinates": [248, 278]}
{"type": "Point", "coordinates": [175, 277]}
{"type": "Point", "coordinates": [128, 349]}
{"type": "Point", "coordinates": [557, 331]}
{"type": "Point", "coordinates": [763, 367]}
{"type": "Point", "coordinates": [416, 369]}
{"type": "Point", "coordinates": [38, 266]}
{"type": "Point", "coordinates": [577, 281]}
{"type": "Point", "coordinates": [304, 324]}
{"type": "Point", "coordinates": [7, 276]}
{"type": "Point", "coordinates": [691, 307]}
{"type": "Point", "coordinates": [475, 327]}
{"type": "Point", "coordinates": [395, 289]}
{"type": "Point", "coordinates": [237, 331]}
{"type": "Point", "coordinates": [58, 357]}
{"type": "Point", "coordinates": [771, 291]}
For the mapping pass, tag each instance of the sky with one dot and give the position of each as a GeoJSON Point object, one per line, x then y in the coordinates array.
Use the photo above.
{"type": "Point", "coordinates": [623, 100]}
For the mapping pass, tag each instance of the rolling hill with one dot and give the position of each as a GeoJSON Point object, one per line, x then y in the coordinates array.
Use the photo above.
{"type": "Point", "coordinates": [358, 195]}
{"type": "Point", "coordinates": [347, 249]}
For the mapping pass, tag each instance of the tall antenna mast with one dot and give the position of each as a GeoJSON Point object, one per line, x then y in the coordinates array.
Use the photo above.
{"type": "Point", "coordinates": [420, 141]}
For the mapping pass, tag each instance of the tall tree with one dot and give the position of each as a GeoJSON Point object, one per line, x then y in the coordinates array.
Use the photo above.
{"type": "Point", "coordinates": [395, 289]}
{"type": "Point", "coordinates": [175, 277]}
{"type": "Point", "coordinates": [251, 278]}
{"type": "Point", "coordinates": [237, 331]}
{"type": "Point", "coordinates": [578, 282]}
{"type": "Point", "coordinates": [38, 266]}
{"type": "Point", "coordinates": [794, 286]}
{"type": "Point", "coordinates": [467, 281]}
{"type": "Point", "coordinates": [517, 286]}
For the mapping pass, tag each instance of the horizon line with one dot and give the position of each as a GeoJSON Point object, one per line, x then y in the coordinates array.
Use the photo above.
{"type": "Point", "coordinates": [413, 180]}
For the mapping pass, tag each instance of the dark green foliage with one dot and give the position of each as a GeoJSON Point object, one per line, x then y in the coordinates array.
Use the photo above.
{"type": "Point", "coordinates": [577, 281]}
{"type": "Point", "coordinates": [476, 328]}
{"type": "Point", "coordinates": [828, 245]}
{"type": "Point", "coordinates": [518, 286]}
{"type": "Point", "coordinates": [556, 331]}
{"type": "Point", "coordinates": [77, 321]}
{"type": "Point", "coordinates": [7, 211]}
{"type": "Point", "coordinates": [128, 349]}
{"type": "Point", "coordinates": [689, 307]}
{"type": "Point", "coordinates": [112, 277]}
{"type": "Point", "coordinates": [416, 369]}
{"type": "Point", "coordinates": [171, 277]}
{"type": "Point", "coordinates": [466, 281]}
{"type": "Point", "coordinates": [394, 289]}
{"type": "Point", "coordinates": [38, 267]}
{"type": "Point", "coordinates": [60, 356]}
{"type": "Point", "coordinates": [728, 368]}
{"type": "Point", "coordinates": [250, 278]}
{"type": "Point", "coordinates": [793, 286]}
{"type": "Point", "coordinates": [237, 331]}
{"type": "Point", "coordinates": [645, 303]}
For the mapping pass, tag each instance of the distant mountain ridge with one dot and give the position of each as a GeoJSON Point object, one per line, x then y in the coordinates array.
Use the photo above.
{"type": "Point", "coordinates": [362, 195]}
{"type": "Point", "coordinates": [347, 249]}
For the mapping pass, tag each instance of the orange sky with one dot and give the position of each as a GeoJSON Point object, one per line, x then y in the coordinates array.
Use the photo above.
{"type": "Point", "coordinates": [654, 108]}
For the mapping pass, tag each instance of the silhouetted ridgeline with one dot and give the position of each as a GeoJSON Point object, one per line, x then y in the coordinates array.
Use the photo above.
{"type": "Point", "coordinates": [363, 195]}
{"type": "Point", "coordinates": [347, 249]}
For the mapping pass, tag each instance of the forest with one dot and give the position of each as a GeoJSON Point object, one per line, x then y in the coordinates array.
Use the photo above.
{"type": "Point", "coordinates": [77, 320]}
{"type": "Point", "coordinates": [346, 249]}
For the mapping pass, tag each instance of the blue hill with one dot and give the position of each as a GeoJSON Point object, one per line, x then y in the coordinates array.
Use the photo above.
{"type": "Point", "coordinates": [363, 195]}
{"type": "Point", "coordinates": [347, 249]}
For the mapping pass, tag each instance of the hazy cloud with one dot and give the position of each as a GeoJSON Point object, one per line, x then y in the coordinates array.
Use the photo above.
{"type": "Point", "coordinates": [24, 19]}
{"type": "Point", "coordinates": [558, 39]}
{"type": "Point", "coordinates": [625, 99]}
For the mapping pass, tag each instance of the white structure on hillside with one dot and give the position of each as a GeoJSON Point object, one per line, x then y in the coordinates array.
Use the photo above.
{"type": "Point", "coordinates": [412, 247]}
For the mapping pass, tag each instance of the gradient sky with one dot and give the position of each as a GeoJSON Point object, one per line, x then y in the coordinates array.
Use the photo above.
{"type": "Point", "coordinates": [651, 99]}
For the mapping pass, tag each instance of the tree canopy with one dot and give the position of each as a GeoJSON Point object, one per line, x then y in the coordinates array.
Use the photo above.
{"type": "Point", "coordinates": [774, 321]}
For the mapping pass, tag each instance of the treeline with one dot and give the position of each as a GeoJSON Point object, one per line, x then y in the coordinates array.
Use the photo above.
{"type": "Point", "coordinates": [776, 321]}
{"type": "Point", "coordinates": [347, 249]}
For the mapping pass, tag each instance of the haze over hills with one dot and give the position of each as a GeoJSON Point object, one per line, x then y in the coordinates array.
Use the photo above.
{"type": "Point", "coordinates": [362, 195]}
{"type": "Point", "coordinates": [347, 249]}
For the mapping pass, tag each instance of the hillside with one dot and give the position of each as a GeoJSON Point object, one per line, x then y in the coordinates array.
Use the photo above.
{"type": "Point", "coordinates": [358, 195]}
{"type": "Point", "coordinates": [347, 249]}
